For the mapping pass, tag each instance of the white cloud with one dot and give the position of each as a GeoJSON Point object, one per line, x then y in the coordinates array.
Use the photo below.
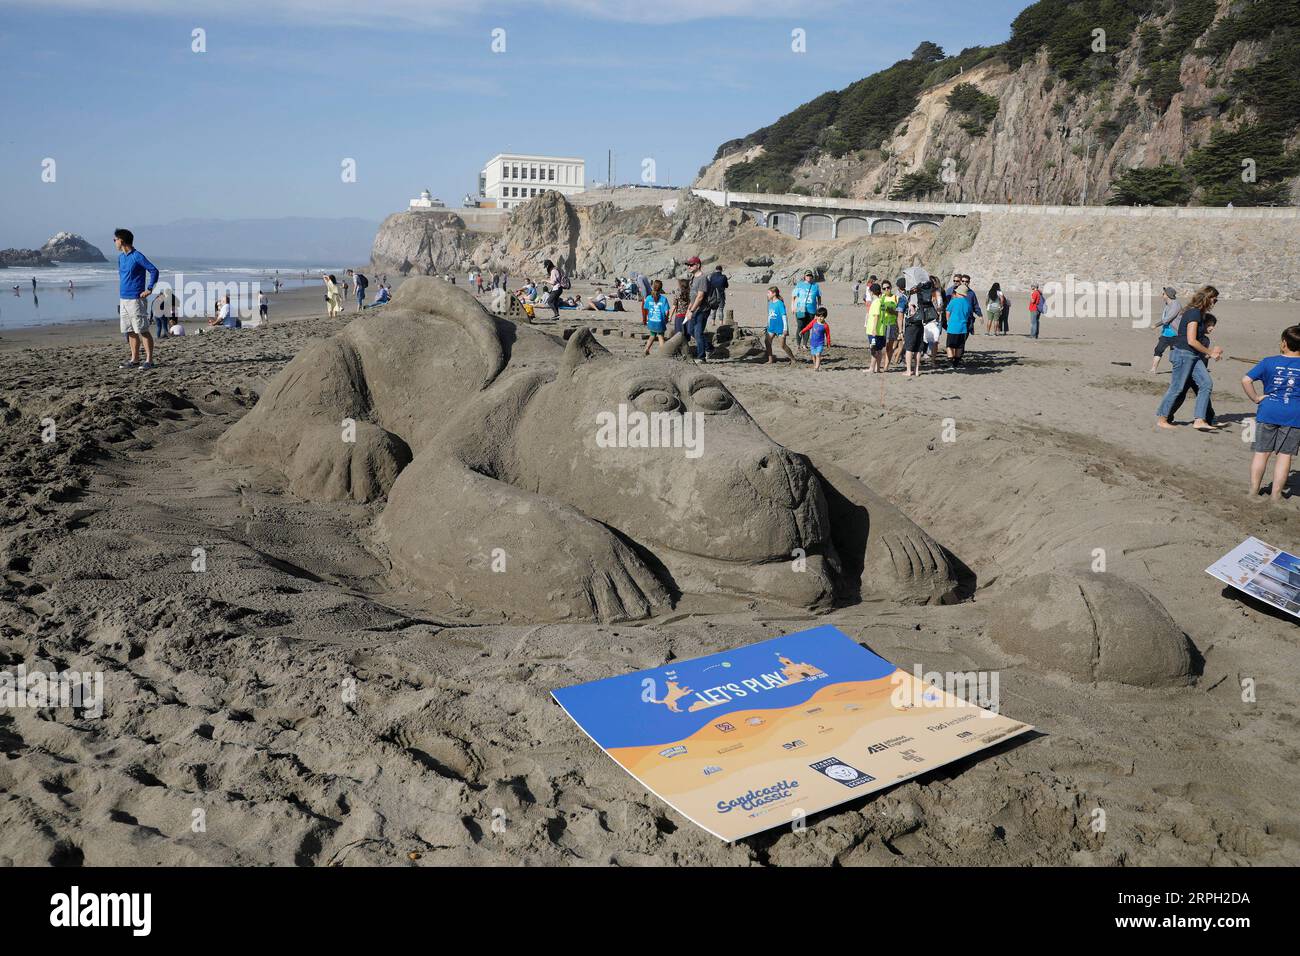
{"type": "Point", "coordinates": [432, 13]}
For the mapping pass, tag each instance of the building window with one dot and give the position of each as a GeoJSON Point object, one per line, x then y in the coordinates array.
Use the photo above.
{"type": "Point", "coordinates": [551, 174]}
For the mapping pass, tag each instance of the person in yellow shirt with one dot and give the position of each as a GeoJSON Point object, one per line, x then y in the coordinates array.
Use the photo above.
{"type": "Point", "coordinates": [333, 298]}
{"type": "Point", "coordinates": [882, 325]}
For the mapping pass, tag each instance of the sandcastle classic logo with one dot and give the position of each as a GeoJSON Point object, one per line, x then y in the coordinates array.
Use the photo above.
{"type": "Point", "coordinates": [753, 799]}
{"type": "Point", "coordinates": [840, 772]}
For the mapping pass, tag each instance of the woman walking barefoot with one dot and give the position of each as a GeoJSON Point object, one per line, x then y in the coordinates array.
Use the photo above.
{"type": "Point", "coordinates": [1190, 355]}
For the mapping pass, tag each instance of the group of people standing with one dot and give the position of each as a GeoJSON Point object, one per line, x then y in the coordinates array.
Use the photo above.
{"type": "Point", "coordinates": [900, 321]}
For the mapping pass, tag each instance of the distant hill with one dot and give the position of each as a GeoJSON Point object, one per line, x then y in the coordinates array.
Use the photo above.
{"type": "Point", "coordinates": [1179, 101]}
{"type": "Point", "coordinates": [293, 239]}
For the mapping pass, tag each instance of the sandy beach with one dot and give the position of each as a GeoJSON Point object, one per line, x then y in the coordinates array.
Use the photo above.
{"type": "Point", "coordinates": [319, 715]}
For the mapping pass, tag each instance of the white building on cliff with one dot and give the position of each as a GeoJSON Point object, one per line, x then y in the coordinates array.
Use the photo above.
{"type": "Point", "coordinates": [511, 179]}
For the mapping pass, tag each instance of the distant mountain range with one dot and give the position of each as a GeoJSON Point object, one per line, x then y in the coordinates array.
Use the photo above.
{"type": "Point", "coordinates": [292, 239]}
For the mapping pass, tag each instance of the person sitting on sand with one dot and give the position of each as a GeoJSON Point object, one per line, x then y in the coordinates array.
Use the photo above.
{"type": "Point", "coordinates": [1191, 345]}
{"type": "Point", "coordinates": [227, 316]}
{"type": "Point", "coordinates": [819, 336]}
{"type": "Point", "coordinates": [1277, 412]}
{"type": "Point", "coordinates": [383, 296]}
{"type": "Point", "coordinates": [175, 326]}
{"type": "Point", "coordinates": [597, 302]}
{"type": "Point", "coordinates": [778, 325]}
{"type": "Point", "coordinates": [654, 313]}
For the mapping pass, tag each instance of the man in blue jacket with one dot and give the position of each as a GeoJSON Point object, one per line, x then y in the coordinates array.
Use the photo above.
{"type": "Point", "coordinates": [136, 277]}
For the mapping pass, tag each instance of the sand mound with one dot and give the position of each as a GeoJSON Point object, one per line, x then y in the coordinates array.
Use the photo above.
{"type": "Point", "coordinates": [1093, 627]}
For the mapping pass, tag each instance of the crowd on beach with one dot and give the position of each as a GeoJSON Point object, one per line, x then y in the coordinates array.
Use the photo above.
{"type": "Point", "coordinates": [908, 318]}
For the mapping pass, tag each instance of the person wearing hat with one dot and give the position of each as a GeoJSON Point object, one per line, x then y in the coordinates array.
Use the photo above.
{"type": "Point", "coordinates": [697, 313]}
{"type": "Point", "coordinates": [1167, 331]}
{"type": "Point", "coordinates": [807, 300]}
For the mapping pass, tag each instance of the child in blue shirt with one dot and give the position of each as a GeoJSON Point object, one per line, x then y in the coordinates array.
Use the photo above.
{"type": "Point", "coordinates": [778, 325]}
{"type": "Point", "coordinates": [819, 336]}
{"type": "Point", "coordinates": [1277, 417]}
{"type": "Point", "coordinates": [655, 309]}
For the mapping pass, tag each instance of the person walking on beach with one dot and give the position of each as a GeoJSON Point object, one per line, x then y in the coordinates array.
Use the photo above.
{"type": "Point", "coordinates": [33, 285]}
{"type": "Point", "coordinates": [555, 279]}
{"type": "Point", "coordinates": [263, 307]}
{"type": "Point", "coordinates": [136, 277]}
{"type": "Point", "coordinates": [807, 300]}
{"type": "Point", "coordinates": [333, 301]}
{"type": "Point", "coordinates": [654, 313]}
{"type": "Point", "coordinates": [1189, 347]}
{"type": "Point", "coordinates": [1037, 307]}
{"type": "Point", "coordinates": [1277, 413]}
{"type": "Point", "coordinates": [857, 291]}
{"type": "Point", "coordinates": [995, 305]}
{"type": "Point", "coordinates": [681, 305]}
{"type": "Point", "coordinates": [924, 306]}
{"type": "Point", "coordinates": [960, 319]}
{"type": "Point", "coordinates": [362, 284]}
{"type": "Point", "coordinates": [697, 313]}
{"type": "Point", "coordinates": [1168, 333]}
{"type": "Point", "coordinates": [778, 325]}
{"type": "Point", "coordinates": [819, 336]}
{"type": "Point", "coordinates": [718, 285]}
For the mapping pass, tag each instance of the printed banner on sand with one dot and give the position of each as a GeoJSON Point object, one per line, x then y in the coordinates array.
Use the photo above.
{"type": "Point", "coordinates": [765, 735]}
{"type": "Point", "coordinates": [1262, 571]}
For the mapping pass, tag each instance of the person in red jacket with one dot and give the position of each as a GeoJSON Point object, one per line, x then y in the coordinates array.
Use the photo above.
{"type": "Point", "coordinates": [819, 336]}
{"type": "Point", "coordinates": [1037, 306]}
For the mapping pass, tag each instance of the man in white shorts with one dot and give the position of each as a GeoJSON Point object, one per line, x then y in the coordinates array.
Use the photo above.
{"type": "Point", "coordinates": [136, 277]}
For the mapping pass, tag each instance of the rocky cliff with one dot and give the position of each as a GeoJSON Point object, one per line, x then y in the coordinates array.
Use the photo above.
{"type": "Point", "coordinates": [601, 240]}
{"type": "Point", "coordinates": [1179, 101]}
{"type": "Point", "coordinates": [422, 243]}
{"type": "Point", "coordinates": [70, 247]}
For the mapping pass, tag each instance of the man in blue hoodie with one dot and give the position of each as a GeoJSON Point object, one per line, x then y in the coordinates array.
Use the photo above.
{"type": "Point", "coordinates": [136, 277]}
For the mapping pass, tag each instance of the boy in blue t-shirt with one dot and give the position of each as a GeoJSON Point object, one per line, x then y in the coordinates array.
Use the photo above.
{"type": "Point", "coordinates": [1277, 418]}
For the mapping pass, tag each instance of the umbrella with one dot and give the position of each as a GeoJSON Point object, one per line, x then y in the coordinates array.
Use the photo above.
{"type": "Point", "coordinates": [915, 276]}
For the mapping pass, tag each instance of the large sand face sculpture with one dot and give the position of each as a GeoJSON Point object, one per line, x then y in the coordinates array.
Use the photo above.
{"type": "Point", "coordinates": [492, 441]}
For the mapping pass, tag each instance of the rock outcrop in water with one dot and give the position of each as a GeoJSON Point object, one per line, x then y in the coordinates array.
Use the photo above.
{"type": "Point", "coordinates": [70, 247]}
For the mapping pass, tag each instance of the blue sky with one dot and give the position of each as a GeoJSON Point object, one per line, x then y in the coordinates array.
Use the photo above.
{"type": "Point", "coordinates": [143, 130]}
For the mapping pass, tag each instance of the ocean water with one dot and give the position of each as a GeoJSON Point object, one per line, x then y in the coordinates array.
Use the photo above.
{"type": "Point", "coordinates": [93, 294]}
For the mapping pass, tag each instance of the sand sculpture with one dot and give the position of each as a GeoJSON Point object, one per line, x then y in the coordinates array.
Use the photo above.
{"type": "Point", "coordinates": [1094, 627]}
{"type": "Point", "coordinates": [483, 433]}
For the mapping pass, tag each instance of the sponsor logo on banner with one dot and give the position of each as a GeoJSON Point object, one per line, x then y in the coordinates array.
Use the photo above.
{"type": "Point", "coordinates": [883, 745]}
{"type": "Point", "coordinates": [793, 745]}
{"type": "Point", "coordinates": [754, 799]}
{"type": "Point", "coordinates": [840, 772]}
{"type": "Point", "coordinates": [725, 727]}
{"type": "Point", "coordinates": [710, 771]}
{"type": "Point", "coordinates": [936, 728]}
{"type": "Point", "coordinates": [673, 751]}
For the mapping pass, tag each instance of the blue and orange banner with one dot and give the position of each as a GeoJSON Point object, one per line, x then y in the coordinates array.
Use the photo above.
{"type": "Point", "coordinates": [764, 735]}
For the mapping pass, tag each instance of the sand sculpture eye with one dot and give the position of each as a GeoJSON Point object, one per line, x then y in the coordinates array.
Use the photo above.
{"type": "Point", "coordinates": [656, 400]}
{"type": "Point", "coordinates": [712, 397]}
